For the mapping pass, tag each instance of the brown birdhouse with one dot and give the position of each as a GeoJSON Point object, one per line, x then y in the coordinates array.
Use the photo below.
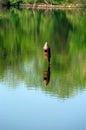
{"type": "Point", "coordinates": [46, 50]}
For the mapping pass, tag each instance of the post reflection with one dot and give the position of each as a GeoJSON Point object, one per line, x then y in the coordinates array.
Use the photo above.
{"type": "Point", "coordinates": [47, 55]}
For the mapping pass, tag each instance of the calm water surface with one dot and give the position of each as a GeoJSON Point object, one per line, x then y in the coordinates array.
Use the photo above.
{"type": "Point", "coordinates": [26, 103]}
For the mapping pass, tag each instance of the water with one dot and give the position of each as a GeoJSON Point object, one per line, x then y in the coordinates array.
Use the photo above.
{"type": "Point", "coordinates": [25, 101]}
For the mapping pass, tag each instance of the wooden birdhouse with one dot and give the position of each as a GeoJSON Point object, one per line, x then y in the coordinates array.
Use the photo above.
{"type": "Point", "coordinates": [46, 50]}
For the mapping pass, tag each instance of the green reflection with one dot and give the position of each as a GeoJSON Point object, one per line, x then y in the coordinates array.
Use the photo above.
{"type": "Point", "coordinates": [22, 37]}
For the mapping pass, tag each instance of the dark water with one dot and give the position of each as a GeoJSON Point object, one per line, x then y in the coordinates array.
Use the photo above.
{"type": "Point", "coordinates": [25, 101]}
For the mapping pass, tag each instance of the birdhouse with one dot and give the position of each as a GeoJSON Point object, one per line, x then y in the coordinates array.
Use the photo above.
{"type": "Point", "coordinates": [46, 50]}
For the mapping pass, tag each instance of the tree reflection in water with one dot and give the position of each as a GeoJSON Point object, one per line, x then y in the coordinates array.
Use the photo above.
{"type": "Point", "coordinates": [21, 54]}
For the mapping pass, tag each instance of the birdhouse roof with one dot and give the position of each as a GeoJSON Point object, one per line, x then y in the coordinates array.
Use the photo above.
{"type": "Point", "coordinates": [46, 46]}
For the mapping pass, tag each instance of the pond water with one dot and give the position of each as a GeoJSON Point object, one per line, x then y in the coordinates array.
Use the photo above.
{"type": "Point", "coordinates": [26, 102]}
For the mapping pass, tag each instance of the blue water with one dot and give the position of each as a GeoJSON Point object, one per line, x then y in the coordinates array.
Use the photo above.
{"type": "Point", "coordinates": [33, 109]}
{"type": "Point", "coordinates": [26, 102]}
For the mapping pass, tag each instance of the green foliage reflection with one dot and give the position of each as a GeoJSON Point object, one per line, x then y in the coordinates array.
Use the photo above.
{"type": "Point", "coordinates": [22, 37]}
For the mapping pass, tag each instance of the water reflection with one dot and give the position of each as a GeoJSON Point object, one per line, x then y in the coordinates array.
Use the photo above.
{"type": "Point", "coordinates": [23, 56]}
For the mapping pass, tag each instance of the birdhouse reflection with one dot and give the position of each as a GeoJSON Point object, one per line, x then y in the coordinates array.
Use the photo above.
{"type": "Point", "coordinates": [46, 50]}
{"type": "Point", "coordinates": [46, 76]}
